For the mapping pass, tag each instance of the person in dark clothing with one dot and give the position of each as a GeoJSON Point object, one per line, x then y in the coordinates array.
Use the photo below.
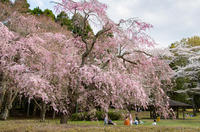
{"type": "Point", "coordinates": [137, 118]}
{"type": "Point", "coordinates": [110, 122]}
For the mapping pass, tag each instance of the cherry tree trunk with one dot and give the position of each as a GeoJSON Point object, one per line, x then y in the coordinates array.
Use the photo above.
{"type": "Point", "coordinates": [54, 114]}
{"type": "Point", "coordinates": [43, 111]}
{"type": "Point", "coordinates": [2, 95]}
{"type": "Point", "coordinates": [34, 110]}
{"type": "Point", "coordinates": [63, 119]}
{"type": "Point", "coordinates": [4, 114]}
{"type": "Point", "coordinates": [8, 105]}
{"type": "Point", "coordinates": [28, 110]}
{"type": "Point", "coordinates": [1, 101]}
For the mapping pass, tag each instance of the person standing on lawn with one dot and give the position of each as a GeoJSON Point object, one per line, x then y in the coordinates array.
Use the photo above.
{"type": "Point", "coordinates": [131, 119]}
{"type": "Point", "coordinates": [106, 119]}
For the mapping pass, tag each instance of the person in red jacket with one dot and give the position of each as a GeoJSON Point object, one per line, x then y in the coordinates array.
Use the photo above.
{"type": "Point", "coordinates": [127, 121]}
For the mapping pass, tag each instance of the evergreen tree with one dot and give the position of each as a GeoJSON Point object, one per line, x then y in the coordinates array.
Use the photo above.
{"type": "Point", "coordinates": [64, 20]}
{"type": "Point", "coordinates": [49, 13]}
{"type": "Point", "coordinates": [36, 11]}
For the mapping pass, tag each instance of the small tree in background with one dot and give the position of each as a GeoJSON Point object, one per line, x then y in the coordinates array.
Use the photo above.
{"type": "Point", "coordinates": [36, 11]}
{"type": "Point", "coordinates": [49, 13]}
{"type": "Point", "coordinates": [72, 25]}
{"type": "Point", "coordinates": [64, 20]}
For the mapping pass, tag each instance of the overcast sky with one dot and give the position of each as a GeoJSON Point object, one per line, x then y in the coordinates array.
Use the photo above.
{"type": "Point", "coordinates": [172, 19]}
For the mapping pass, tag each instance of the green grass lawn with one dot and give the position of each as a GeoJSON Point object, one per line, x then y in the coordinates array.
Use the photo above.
{"type": "Point", "coordinates": [147, 122]}
{"type": "Point", "coordinates": [190, 124]}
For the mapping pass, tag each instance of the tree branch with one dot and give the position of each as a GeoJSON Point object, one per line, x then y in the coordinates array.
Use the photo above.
{"type": "Point", "coordinates": [97, 36]}
{"type": "Point", "coordinates": [139, 51]}
{"type": "Point", "coordinates": [87, 52]}
{"type": "Point", "coordinates": [37, 103]}
{"type": "Point", "coordinates": [126, 60]}
{"type": "Point", "coordinates": [13, 96]}
{"type": "Point", "coordinates": [105, 64]}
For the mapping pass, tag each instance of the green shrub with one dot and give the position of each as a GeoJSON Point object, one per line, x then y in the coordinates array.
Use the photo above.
{"type": "Point", "coordinates": [36, 11]}
{"type": "Point", "coordinates": [77, 117]}
{"type": "Point", "coordinates": [80, 116]}
{"type": "Point", "coordinates": [100, 115]}
{"type": "Point", "coordinates": [49, 13]}
{"type": "Point", "coordinates": [114, 115]}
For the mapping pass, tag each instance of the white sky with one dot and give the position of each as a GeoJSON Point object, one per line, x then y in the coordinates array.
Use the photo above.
{"type": "Point", "coordinates": [172, 19]}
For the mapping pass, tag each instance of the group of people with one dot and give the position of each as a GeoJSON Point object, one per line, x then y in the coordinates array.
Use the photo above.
{"type": "Point", "coordinates": [128, 120]}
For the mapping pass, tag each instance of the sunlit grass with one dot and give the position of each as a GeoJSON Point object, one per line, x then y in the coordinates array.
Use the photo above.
{"type": "Point", "coordinates": [190, 124]}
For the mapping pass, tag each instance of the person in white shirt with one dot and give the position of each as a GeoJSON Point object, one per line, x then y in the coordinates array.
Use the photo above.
{"type": "Point", "coordinates": [154, 122]}
{"type": "Point", "coordinates": [131, 119]}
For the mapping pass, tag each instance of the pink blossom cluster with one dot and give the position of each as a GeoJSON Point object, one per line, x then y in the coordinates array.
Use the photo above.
{"type": "Point", "coordinates": [110, 67]}
{"type": "Point", "coordinates": [22, 24]}
{"type": "Point", "coordinates": [87, 6]}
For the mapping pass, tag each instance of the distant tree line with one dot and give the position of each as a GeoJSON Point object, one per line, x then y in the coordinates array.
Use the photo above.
{"type": "Point", "coordinates": [62, 18]}
{"type": "Point", "coordinates": [65, 21]}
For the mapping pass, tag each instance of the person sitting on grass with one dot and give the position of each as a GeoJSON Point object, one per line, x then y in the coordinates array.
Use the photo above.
{"type": "Point", "coordinates": [137, 120]}
{"type": "Point", "coordinates": [127, 121]}
{"type": "Point", "coordinates": [154, 122]}
{"type": "Point", "coordinates": [110, 122]}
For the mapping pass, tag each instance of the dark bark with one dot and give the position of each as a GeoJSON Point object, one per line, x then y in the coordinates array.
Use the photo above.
{"type": "Point", "coordinates": [28, 110]}
{"type": "Point", "coordinates": [34, 110]}
{"type": "Point", "coordinates": [154, 113]}
{"type": "Point", "coordinates": [63, 119]}
{"type": "Point", "coordinates": [126, 60]}
{"type": "Point", "coordinates": [10, 96]}
{"type": "Point", "coordinates": [54, 114]}
{"type": "Point", "coordinates": [43, 107]}
{"type": "Point", "coordinates": [43, 111]}
{"type": "Point", "coordinates": [2, 95]}
{"type": "Point", "coordinates": [84, 57]}
{"type": "Point", "coordinates": [4, 114]}
{"type": "Point", "coordinates": [194, 106]}
{"type": "Point", "coordinates": [151, 113]}
{"type": "Point", "coordinates": [88, 50]}
{"type": "Point", "coordinates": [5, 111]}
